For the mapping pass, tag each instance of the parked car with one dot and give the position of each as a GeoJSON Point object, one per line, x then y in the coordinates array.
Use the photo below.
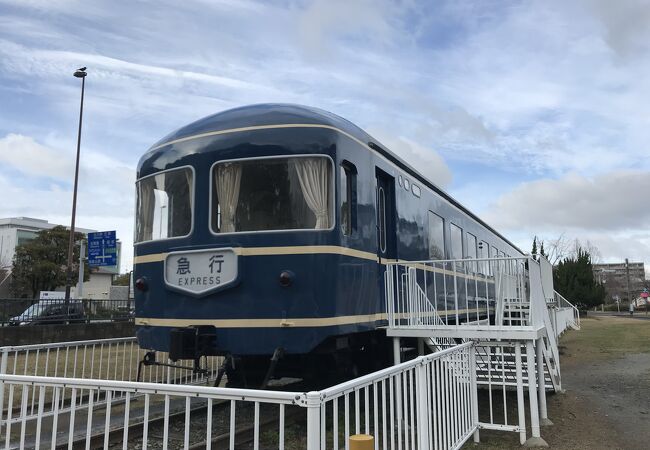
{"type": "Point", "coordinates": [51, 312]}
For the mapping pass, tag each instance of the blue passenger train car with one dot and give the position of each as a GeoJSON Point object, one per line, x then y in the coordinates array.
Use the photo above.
{"type": "Point", "coordinates": [266, 228]}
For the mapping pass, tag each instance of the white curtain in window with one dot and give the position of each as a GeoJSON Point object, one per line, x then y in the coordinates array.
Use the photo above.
{"type": "Point", "coordinates": [145, 211]}
{"type": "Point", "coordinates": [188, 178]}
{"type": "Point", "coordinates": [314, 182]}
{"type": "Point", "coordinates": [160, 181]}
{"type": "Point", "coordinates": [228, 182]}
{"type": "Point", "coordinates": [161, 229]}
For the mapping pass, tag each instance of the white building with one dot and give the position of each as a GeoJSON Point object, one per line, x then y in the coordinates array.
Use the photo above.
{"type": "Point", "coordinates": [15, 231]}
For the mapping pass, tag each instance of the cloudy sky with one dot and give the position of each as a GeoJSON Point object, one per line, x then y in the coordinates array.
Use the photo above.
{"type": "Point", "coordinates": [534, 114]}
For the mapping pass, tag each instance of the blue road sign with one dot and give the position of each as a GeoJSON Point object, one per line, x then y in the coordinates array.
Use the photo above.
{"type": "Point", "coordinates": [102, 249]}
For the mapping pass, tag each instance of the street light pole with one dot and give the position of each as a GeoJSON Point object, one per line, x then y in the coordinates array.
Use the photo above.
{"type": "Point", "coordinates": [627, 277]}
{"type": "Point", "coordinates": [80, 73]}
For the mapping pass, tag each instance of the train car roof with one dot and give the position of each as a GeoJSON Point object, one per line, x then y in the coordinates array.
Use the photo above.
{"type": "Point", "coordinates": [283, 114]}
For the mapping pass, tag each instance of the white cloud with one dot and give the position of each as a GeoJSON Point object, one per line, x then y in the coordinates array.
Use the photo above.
{"type": "Point", "coordinates": [610, 210]}
{"type": "Point", "coordinates": [616, 200]}
{"type": "Point", "coordinates": [28, 156]}
{"type": "Point", "coordinates": [105, 193]}
{"type": "Point", "coordinates": [625, 23]}
{"type": "Point", "coordinates": [425, 160]}
{"type": "Point", "coordinates": [324, 23]}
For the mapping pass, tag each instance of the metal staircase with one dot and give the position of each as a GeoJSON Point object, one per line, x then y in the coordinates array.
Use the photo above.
{"type": "Point", "coordinates": [506, 305]}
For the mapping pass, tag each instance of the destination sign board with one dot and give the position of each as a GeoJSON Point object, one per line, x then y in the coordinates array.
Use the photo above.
{"type": "Point", "coordinates": [201, 271]}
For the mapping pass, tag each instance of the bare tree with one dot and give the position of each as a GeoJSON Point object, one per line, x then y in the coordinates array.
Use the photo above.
{"type": "Point", "coordinates": [558, 249]}
{"type": "Point", "coordinates": [596, 256]}
{"type": "Point", "coordinates": [563, 247]}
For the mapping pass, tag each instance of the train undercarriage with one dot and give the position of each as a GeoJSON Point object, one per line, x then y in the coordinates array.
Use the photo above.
{"type": "Point", "coordinates": [336, 359]}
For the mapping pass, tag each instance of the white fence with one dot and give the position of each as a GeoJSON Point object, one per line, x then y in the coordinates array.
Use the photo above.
{"type": "Point", "coordinates": [426, 403]}
{"type": "Point", "coordinates": [115, 359]}
{"type": "Point", "coordinates": [122, 414]}
{"type": "Point", "coordinates": [104, 359]}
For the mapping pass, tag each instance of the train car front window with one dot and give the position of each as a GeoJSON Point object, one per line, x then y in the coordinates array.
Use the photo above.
{"type": "Point", "coordinates": [164, 205]}
{"type": "Point", "coordinates": [272, 194]}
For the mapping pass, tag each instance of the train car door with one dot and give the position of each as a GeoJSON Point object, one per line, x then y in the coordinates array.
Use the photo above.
{"type": "Point", "coordinates": [386, 217]}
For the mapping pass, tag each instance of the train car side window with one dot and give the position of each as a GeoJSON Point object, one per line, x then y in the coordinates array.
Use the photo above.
{"type": "Point", "coordinates": [483, 253]}
{"type": "Point", "coordinates": [436, 236]}
{"type": "Point", "coordinates": [471, 246]}
{"type": "Point", "coordinates": [456, 236]}
{"type": "Point", "coordinates": [496, 265]}
{"type": "Point", "coordinates": [348, 192]}
{"type": "Point", "coordinates": [164, 205]}
{"type": "Point", "coordinates": [272, 194]}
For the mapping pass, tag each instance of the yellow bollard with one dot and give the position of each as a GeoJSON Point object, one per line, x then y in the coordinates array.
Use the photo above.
{"type": "Point", "coordinates": [362, 442]}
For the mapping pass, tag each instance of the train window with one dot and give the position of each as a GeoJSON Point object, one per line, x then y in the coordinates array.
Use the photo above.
{"type": "Point", "coordinates": [484, 252]}
{"type": "Point", "coordinates": [416, 190]}
{"type": "Point", "coordinates": [456, 242]}
{"type": "Point", "coordinates": [348, 194]}
{"type": "Point", "coordinates": [401, 180]}
{"type": "Point", "coordinates": [471, 246]}
{"type": "Point", "coordinates": [456, 236]}
{"type": "Point", "coordinates": [272, 194]}
{"type": "Point", "coordinates": [407, 184]}
{"type": "Point", "coordinates": [436, 236]}
{"type": "Point", "coordinates": [494, 253]}
{"type": "Point", "coordinates": [382, 219]}
{"type": "Point", "coordinates": [164, 205]}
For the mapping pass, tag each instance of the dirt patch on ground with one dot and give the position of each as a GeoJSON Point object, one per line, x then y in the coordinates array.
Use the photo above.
{"type": "Point", "coordinates": [606, 377]}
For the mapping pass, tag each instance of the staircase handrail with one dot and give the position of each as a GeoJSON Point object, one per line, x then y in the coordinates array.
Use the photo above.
{"type": "Point", "coordinates": [542, 317]}
{"type": "Point", "coordinates": [562, 302]}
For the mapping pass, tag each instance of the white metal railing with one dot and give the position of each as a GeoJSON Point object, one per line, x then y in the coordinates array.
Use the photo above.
{"type": "Point", "coordinates": [116, 359]}
{"type": "Point", "coordinates": [564, 303]}
{"type": "Point", "coordinates": [426, 403]}
{"type": "Point", "coordinates": [539, 291]}
{"type": "Point", "coordinates": [164, 415]}
{"type": "Point", "coordinates": [491, 298]}
{"type": "Point", "coordinates": [434, 294]}
{"type": "Point", "coordinates": [501, 371]}
{"type": "Point", "coordinates": [562, 319]}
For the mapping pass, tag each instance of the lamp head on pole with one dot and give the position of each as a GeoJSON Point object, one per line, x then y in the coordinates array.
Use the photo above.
{"type": "Point", "coordinates": [80, 73]}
